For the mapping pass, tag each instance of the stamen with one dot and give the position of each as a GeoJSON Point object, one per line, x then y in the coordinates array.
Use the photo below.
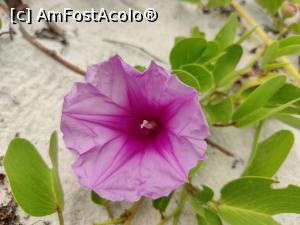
{"type": "Point", "coordinates": [148, 124]}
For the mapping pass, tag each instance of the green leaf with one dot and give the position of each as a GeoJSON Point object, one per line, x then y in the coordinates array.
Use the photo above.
{"type": "Point", "coordinates": [187, 51]}
{"type": "Point", "coordinates": [290, 120]}
{"type": "Point", "coordinates": [287, 46]}
{"type": "Point", "coordinates": [295, 27]}
{"type": "Point", "coordinates": [286, 93]}
{"type": "Point", "coordinates": [217, 3]}
{"type": "Point", "coordinates": [252, 201]}
{"type": "Point", "coordinates": [226, 35]}
{"type": "Point", "coordinates": [271, 6]}
{"type": "Point", "coordinates": [97, 199]}
{"type": "Point", "coordinates": [273, 66]}
{"type": "Point", "coordinates": [179, 38]}
{"type": "Point", "coordinates": [271, 53]}
{"type": "Point", "coordinates": [246, 35]}
{"type": "Point", "coordinates": [289, 41]}
{"type": "Point", "coordinates": [290, 50]}
{"type": "Point", "coordinates": [140, 68]}
{"type": "Point", "coordinates": [204, 77]}
{"type": "Point", "coordinates": [237, 216]}
{"type": "Point", "coordinates": [162, 203]}
{"type": "Point", "coordinates": [259, 97]}
{"type": "Point", "coordinates": [0, 23]}
{"type": "Point", "coordinates": [53, 150]}
{"type": "Point", "coordinates": [187, 78]}
{"type": "Point", "coordinates": [200, 197]}
{"type": "Point", "coordinates": [57, 187]}
{"type": "Point", "coordinates": [227, 63]}
{"type": "Point", "coordinates": [296, 1]}
{"type": "Point", "coordinates": [262, 113]}
{"type": "Point", "coordinates": [197, 33]}
{"type": "Point", "coordinates": [30, 178]}
{"type": "Point", "coordinates": [270, 154]}
{"type": "Point", "coordinates": [211, 51]}
{"type": "Point", "coordinates": [219, 111]}
{"type": "Point", "coordinates": [192, 1]}
{"type": "Point", "coordinates": [208, 217]}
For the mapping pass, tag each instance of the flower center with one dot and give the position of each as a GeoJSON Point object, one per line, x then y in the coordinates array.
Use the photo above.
{"type": "Point", "coordinates": [148, 128]}
{"type": "Point", "coordinates": [149, 124]}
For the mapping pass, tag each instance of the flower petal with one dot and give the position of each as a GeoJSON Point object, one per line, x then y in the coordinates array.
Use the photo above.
{"type": "Point", "coordinates": [131, 170]}
{"type": "Point", "coordinates": [119, 157]}
{"type": "Point", "coordinates": [185, 118]}
{"type": "Point", "coordinates": [90, 119]}
{"type": "Point", "coordinates": [158, 85]}
{"type": "Point", "coordinates": [115, 79]}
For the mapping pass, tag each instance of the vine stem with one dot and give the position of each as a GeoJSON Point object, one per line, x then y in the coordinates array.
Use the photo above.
{"type": "Point", "coordinates": [133, 210]}
{"type": "Point", "coordinates": [112, 221]}
{"type": "Point", "coordinates": [180, 206]}
{"type": "Point", "coordinates": [289, 68]}
{"type": "Point", "coordinates": [219, 147]}
{"type": "Point", "coordinates": [60, 217]}
{"type": "Point", "coordinates": [176, 213]}
{"type": "Point", "coordinates": [108, 210]}
{"type": "Point", "coordinates": [32, 40]}
{"type": "Point", "coordinates": [126, 217]}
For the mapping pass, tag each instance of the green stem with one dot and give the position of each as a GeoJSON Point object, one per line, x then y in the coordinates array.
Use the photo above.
{"type": "Point", "coordinates": [165, 219]}
{"type": "Point", "coordinates": [112, 221]}
{"type": "Point", "coordinates": [257, 134]}
{"type": "Point", "coordinates": [60, 217]}
{"type": "Point", "coordinates": [125, 218]}
{"type": "Point", "coordinates": [176, 213]}
{"type": "Point", "coordinates": [108, 210]}
{"type": "Point", "coordinates": [133, 211]}
{"type": "Point", "coordinates": [181, 204]}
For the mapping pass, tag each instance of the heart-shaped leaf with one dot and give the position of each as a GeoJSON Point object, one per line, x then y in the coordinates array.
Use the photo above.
{"type": "Point", "coordinates": [253, 201]}
{"type": "Point", "coordinates": [34, 186]}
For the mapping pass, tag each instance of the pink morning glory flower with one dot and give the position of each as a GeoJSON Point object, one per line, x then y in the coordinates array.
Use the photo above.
{"type": "Point", "coordinates": [135, 134]}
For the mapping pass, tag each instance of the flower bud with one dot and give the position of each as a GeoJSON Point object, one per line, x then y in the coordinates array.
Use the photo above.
{"type": "Point", "coordinates": [288, 9]}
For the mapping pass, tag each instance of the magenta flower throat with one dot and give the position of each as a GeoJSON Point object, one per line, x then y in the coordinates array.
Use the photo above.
{"type": "Point", "coordinates": [135, 134]}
